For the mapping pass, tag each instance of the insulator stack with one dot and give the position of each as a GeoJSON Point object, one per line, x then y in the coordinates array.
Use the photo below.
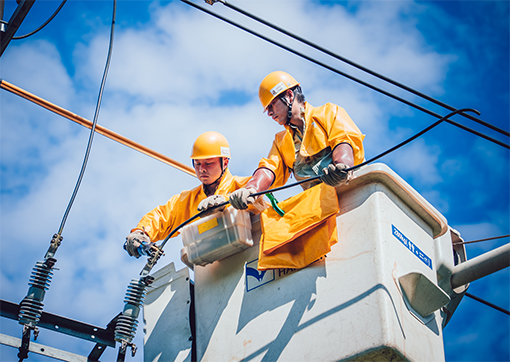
{"type": "Point", "coordinates": [31, 306]}
{"type": "Point", "coordinates": [127, 323]}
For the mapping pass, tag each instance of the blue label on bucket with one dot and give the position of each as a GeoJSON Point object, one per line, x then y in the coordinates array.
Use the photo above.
{"type": "Point", "coordinates": [412, 248]}
{"type": "Point", "coordinates": [256, 278]}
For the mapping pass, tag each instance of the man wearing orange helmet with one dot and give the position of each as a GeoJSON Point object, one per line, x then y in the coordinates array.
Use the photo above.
{"type": "Point", "coordinates": [210, 156]}
{"type": "Point", "coordinates": [317, 141]}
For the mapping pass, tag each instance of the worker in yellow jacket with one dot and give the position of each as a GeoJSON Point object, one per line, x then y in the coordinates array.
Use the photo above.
{"type": "Point", "coordinates": [317, 141]}
{"type": "Point", "coordinates": [210, 157]}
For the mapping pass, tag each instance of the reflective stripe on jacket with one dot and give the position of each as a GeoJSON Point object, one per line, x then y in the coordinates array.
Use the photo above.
{"type": "Point", "coordinates": [325, 126]}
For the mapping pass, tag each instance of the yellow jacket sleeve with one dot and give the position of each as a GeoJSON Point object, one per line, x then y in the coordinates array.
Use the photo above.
{"type": "Point", "coordinates": [330, 125]}
{"type": "Point", "coordinates": [325, 126]}
{"type": "Point", "coordinates": [159, 222]}
{"type": "Point", "coordinates": [280, 158]}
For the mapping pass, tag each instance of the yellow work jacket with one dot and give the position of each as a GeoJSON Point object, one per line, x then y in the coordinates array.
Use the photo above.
{"type": "Point", "coordinates": [304, 234]}
{"type": "Point", "coordinates": [159, 222]}
{"type": "Point", "coordinates": [325, 126]}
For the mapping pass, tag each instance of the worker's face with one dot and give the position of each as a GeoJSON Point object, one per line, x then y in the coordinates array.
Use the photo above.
{"type": "Point", "coordinates": [277, 110]}
{"type": "Point", "coordinates": [208, 170]}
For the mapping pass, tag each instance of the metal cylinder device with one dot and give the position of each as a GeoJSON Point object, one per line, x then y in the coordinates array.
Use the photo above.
{"type": "Point", "coordinates": [127, 323]}
{"type": "Point", "coordinates": [31, 306]}
{"type": "Point", "coordinates": [481, 266]}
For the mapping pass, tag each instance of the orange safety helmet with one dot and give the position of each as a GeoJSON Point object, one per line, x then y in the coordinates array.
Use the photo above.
{"type": "Point", "coordinates": [210, 144]}
{"type": "Point", "coordinates": [273, 85]}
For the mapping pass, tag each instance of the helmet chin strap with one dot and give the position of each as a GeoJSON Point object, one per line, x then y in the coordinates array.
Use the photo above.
{"type": "Point", "coordinates": [289, 107]}
{"type": "Point", "coordinates": [213, 185]}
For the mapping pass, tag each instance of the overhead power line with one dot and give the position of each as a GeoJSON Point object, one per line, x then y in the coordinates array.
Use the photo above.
{"type": "Point", "coordinates": [43, 25]}
{"type": "Point", "coordinates": [31, 307]}
{"type": "Point", "coordinates": [14, 23]}
{"type": "Point", "coordinates": [99, 129]}
{"type": "Point", "coordinates": [479, 240]}
{"type": "Point", "coordinates": [487, 303]}
{"type": "Point", "coordinates": [153, 259]}
{"type": "Point", "coordinates": [94, 122]}
{"type": "Point", "coordinates": [382, 154]}
{"type": "Point", "coordinates": [350, 62]}
{"type": "Point", "coordinates": [368, 85]}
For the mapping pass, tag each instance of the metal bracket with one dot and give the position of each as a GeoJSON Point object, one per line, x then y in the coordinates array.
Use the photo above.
{"type": "Point", "coordinates": [102, 337]}
{"type": "Point", "coordinates": [14, 23]}
{"type": "Point", "coordinates": [422, 294]}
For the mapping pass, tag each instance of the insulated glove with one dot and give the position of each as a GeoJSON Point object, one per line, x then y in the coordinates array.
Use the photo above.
{"type": "Point", "coordinates": [335, 175]}
{"type": "Point", "coordinates": [138, 243]}
{"type": "Point", "coordinates": [240, 199]}
{"type": "Point", "coordinates": [211, 202]}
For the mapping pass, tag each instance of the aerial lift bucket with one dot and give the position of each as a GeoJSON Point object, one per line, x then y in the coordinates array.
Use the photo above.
{"type": "Point", "coordinates": [382, 293]}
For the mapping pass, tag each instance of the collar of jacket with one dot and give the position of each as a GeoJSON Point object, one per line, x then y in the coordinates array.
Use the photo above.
{"type": "Point", "coordinates": [223, 181]}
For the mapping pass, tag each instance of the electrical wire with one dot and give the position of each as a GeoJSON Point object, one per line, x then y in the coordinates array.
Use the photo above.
{"type": "Point", "coordinates": [368, 85]}
{"type": "Point", "coordinates": [392, 149]}
{"type": "Point", "coordinates": [365, 69]}
{"type": "Point", "coordinates": [43, 25]}
{"type": "Point", "coordinates": [479, 240]}
{"type": "Point", "coordinates": [96, 114]}
{"type": "Point", "coordinates": [99, 129]}
{"type": "Point", "coordinates": [153, 259]}
{"type": "Point", "coordinates": [487, 303]}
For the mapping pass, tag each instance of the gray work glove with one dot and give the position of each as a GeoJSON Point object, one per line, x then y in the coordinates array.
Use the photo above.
{"type": "Point", "coordinates": [335, 175]}
{"type": "Point", "coordinates": [211, 202]}
{"type": "Point", "coordinates": [240, 199]}
{"type": "Point", "coordinates": [138, 243]}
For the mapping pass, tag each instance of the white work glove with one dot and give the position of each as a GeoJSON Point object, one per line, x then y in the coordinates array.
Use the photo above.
{"type": "Point", "coordinates": [240, 199]}
{"type": "Point", "coordinates": [335, 175]}
{"type": "Point", "coordinates": [138, 243]}
{"type": "Point", "coordinates": [211, 202]}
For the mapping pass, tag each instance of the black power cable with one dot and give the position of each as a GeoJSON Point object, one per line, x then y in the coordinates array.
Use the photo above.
{"type": "Point", "coordinates": [31, 307]}
{"type": "Point", "coordinates": [157, 254]}
{"type": "Point", "coordinates": [487, 303]}
{"type": "Point", "coordinates": [394, 148]}
{"type": "Point", "coordinates": [365, 69]}
{"type": "Point", "coordinates": [93, 129]}
{"type": "Point", "coordinates": [43, 25]}
{"type": "Point", "coordinates": [368, 85]}
{"type": "Point", "coordinates": [480, 240]}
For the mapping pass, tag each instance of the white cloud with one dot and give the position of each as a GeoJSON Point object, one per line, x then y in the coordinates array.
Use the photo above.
{"type": "Point", "coordinates": [417, 161]}
{"type": "Point", "coordinates": [163, 88]}
{"type": "Point", "coordinates": [22, 66]}
{"type": "Point", "coordinates": [162, 80]}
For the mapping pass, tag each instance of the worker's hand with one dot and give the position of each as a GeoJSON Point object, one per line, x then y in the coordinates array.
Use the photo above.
{"type": "Point", "coordinates": [335, 175]}
{"type": "Point", "coordinates": [210, 203]}
{"type": "Point", "coordinates": [138, 243]}
{"type": "Point", "coordinates": [240, 199]}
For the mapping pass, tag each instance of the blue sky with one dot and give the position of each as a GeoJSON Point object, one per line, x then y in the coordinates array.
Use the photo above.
{"type": "Point", "coordinates": [177, 72]}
